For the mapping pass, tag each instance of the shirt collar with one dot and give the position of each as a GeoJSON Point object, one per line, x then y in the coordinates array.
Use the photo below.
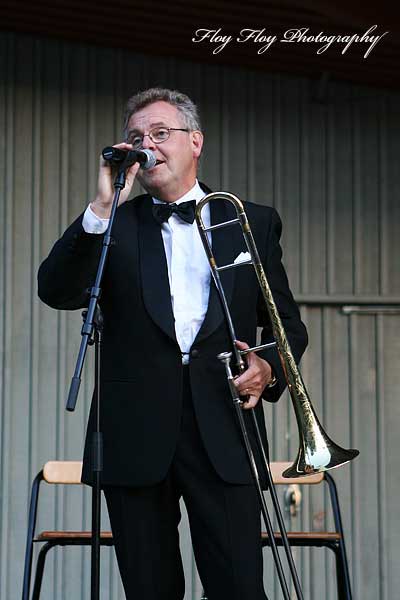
{"type": "Point", "coordinates": [195, 193]}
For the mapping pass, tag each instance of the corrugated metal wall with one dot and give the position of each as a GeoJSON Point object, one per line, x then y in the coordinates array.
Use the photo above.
{"type": "Point", "coordinates": [331, 169]}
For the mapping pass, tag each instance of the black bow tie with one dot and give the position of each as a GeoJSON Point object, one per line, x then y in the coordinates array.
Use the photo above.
{"type": "Point", "coordinates": [184, 210]}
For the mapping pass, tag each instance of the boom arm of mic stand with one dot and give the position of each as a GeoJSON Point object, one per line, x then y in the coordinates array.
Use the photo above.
{"type": "Point", "coordinates": [95, 293]}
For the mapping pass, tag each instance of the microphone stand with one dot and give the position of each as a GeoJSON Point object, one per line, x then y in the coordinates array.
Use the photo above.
{"type": "Point", "coordinates": [92, 334]}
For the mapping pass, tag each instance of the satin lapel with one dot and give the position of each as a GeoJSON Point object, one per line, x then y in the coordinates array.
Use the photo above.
{"type": "Point", "coordinates": [154, 270]}
{"type": "Point", "coordinates": [223, 246]}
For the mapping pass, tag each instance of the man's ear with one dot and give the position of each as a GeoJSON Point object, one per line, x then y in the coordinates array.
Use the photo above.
{"type": "Point", "coordinates": [197, 142]}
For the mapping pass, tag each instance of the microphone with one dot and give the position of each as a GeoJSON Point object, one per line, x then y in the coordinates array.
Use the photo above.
{"type": "Point", "coordinates": [146, 158]}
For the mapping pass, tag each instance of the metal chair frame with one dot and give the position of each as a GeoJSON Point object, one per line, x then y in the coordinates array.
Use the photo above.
{"type": "Point", "coordinates": [333, 540]}
{"type": "Point", "coordinates": [50, 539]}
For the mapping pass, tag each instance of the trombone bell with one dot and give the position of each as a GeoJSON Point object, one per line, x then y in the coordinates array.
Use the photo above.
{"type": "Point", "coordinates": [317, 453]}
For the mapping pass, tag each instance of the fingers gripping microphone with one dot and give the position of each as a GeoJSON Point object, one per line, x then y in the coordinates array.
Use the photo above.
{"type": "Point", "coordinates": [146, 158]}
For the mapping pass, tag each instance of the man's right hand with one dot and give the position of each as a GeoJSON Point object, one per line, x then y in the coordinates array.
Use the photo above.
{"type": "Point", "coordinates": [105, 188]}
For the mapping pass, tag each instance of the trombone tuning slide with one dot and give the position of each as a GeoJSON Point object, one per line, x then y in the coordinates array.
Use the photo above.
{"type": "Point", "coordinates": [219, 225]}
{"type": "Point", "coordinates": [232, 265]}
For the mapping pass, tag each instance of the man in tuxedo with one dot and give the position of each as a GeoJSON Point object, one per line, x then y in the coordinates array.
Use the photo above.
{"type": "Point", "coordinates": [167, 417]}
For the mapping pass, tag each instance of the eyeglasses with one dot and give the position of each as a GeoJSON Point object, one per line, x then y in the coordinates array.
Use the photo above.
{"type": "Point", "coordinates": [158, 135]}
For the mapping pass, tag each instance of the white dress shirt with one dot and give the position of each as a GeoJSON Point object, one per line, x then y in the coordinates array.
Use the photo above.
{"type": "Point", "coordinates": [188, 269]}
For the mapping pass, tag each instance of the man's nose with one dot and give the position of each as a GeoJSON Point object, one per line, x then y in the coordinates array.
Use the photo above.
{"type": "Point", "coordinates": [147, 143]}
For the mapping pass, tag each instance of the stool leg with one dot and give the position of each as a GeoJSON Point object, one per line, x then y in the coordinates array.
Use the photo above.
{"type": "Point", "coordinates": [342, 566]}
{"type": "Point", "coordinates": [40, 569]}
{"type": "Point", "coordinates": [342, 575]}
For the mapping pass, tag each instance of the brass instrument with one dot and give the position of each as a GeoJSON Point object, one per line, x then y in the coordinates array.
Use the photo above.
{"type": "Point", "coordinates": [317, 452]}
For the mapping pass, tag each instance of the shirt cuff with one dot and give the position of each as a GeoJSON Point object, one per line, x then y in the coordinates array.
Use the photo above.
{"type": "Point", "coordinates": [91, 223]}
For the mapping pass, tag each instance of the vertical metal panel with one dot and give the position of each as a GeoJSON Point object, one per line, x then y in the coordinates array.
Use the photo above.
{"type": "Point", "coordinates": [330, 169]}
{"type": "Point", "coordinates": [340, 193]}
{"type": "Point", "coordinates": [390, 186]}
{"type": "Point", "coordinates": [390, 536]}
{"type": "Point", "coordinates": [383, 518]}
{"type": "Point", "coordinates": [6, 280]}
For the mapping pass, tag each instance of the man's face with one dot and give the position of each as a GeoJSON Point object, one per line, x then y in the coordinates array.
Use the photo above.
{"type": "Point", "coordinates": [177, 157]}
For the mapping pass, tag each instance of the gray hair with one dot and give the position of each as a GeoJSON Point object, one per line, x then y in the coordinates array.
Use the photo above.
{"type": "Point", "coordinates": [183, 103]}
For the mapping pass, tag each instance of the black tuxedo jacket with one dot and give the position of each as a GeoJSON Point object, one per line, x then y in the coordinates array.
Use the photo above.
{"type": "Point", "coordinates": [141, 370]}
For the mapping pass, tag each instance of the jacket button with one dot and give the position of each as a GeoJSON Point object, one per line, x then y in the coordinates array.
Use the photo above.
{"type": "Point", "coordinates": [194, 353]}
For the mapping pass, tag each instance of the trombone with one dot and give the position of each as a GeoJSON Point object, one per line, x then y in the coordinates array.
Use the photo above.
{"type": "Point", "coordinates": [317, 452]}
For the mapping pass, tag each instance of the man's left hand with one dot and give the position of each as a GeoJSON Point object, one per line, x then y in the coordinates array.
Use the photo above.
{"type": "Point", "coordinates": [252, 382]}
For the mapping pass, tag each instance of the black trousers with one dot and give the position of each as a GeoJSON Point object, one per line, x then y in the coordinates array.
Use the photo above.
{"type": "Point", "coordinates": [224, 524]}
